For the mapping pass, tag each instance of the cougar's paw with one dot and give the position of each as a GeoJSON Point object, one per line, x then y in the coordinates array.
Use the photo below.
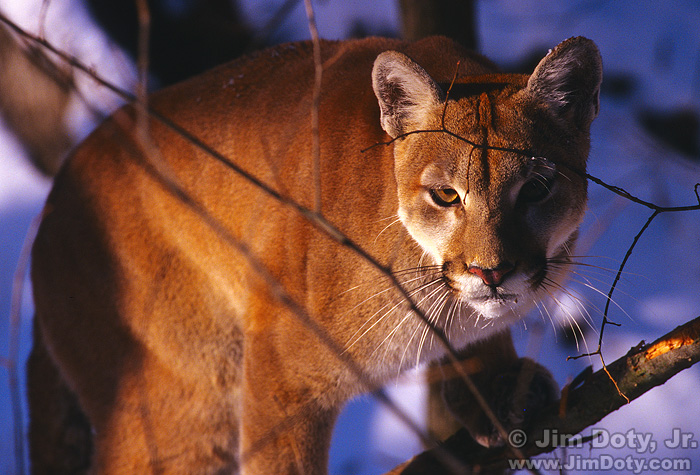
{"type": "Point", "coordinates": [515, 396]}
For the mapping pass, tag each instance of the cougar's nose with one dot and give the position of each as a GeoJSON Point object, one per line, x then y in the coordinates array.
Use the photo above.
{"type": "Point", "coordinates": [492, 277]}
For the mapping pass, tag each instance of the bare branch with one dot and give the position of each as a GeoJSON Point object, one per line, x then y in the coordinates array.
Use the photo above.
{"type": "Point", "coordinates": [582, 405]}
{"type": "Point", "coordinates": [315, 106]}
{"type": "Point", "coordinates": [606, 321]}
{"type": "Point", "coordinates": [13, 357]}
{"type": "Point", "coordinates": [530, 153]}
{"type": "Point", "coordinates": [144, 19]}
{"type": "Point", "coordinates": [36, 118]}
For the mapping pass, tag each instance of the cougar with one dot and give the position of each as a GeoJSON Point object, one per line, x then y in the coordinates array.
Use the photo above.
{"type": "Point", "coordinates": [213, 279]}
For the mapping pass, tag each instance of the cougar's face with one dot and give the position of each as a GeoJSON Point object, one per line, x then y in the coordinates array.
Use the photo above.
{"type": "Point", "coordinates": [489, 174]}
{"type": "Point", "coordinates": [498, 212]}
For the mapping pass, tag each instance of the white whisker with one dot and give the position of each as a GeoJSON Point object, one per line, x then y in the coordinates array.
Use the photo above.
{"type": "Point", "coordinates": [582, 303]}
{"type": "Point", "coordinates": [601, 293]}
{"type": "Point", "coordinates": [433, 316]}
{"type": "Point", "coordinates": [410, 313]}
{"type": "Point", "coordinates": [400, 301]}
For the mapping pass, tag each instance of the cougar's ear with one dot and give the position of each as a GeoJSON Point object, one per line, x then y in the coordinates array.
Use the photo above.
{"type": "Point", "coordinates": [568, 81]}
{"type": "Point", "coordinates": [405, 91]}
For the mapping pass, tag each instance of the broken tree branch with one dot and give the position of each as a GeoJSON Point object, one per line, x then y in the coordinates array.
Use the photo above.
{"type": "Point", "coordinates": [582, 405]}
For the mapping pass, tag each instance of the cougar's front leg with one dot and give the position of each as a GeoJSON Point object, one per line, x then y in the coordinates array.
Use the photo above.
{"type": "Point", "coordinates": [284, 427]}
{"type": "Point", "coordinates": [514, 388]}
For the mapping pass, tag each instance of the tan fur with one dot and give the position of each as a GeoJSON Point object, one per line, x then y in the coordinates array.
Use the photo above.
{"type": "Point", "coordinates": [182, 355]}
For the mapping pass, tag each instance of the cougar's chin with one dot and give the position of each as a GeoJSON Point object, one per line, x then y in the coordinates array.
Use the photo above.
{"type": "Point", "coordinates": [498, 306]}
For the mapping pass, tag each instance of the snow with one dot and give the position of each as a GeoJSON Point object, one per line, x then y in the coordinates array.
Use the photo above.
{"type": "Point", "coordinates": [656, 43]}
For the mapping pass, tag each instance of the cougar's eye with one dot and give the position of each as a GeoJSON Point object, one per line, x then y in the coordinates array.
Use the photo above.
{"type": "Point", "coordinates": [536, 189]}
{"type": "Point", "coordinates": [445, 197]}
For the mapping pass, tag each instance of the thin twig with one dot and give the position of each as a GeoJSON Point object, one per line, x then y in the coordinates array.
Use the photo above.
{"type": "Point", "coordinates": [43, 13]}
{"type": "Point", "coordinates": [315, 106]}
{"type": "Point", "coordinates": [144, 21]}
{"type": "Point", "coordinates": [14, 344]}
{"type": "Point", "coordinates": [530, 153]}
{"type": "Point", "coordinates": [606, 321]}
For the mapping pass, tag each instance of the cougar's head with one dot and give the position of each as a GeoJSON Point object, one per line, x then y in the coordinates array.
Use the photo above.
{"type": "Point", "coordinates": [489, 170]}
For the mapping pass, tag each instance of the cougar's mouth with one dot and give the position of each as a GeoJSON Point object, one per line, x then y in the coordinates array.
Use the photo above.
{"type": "Point", "coordinates": [483, 293]}
{"type": "Point", "coordinates": [495, 297]}
{"type": "Point", "coordinates": [510, 299]}
{"type": "Point", "coordinates": [490, 302]}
